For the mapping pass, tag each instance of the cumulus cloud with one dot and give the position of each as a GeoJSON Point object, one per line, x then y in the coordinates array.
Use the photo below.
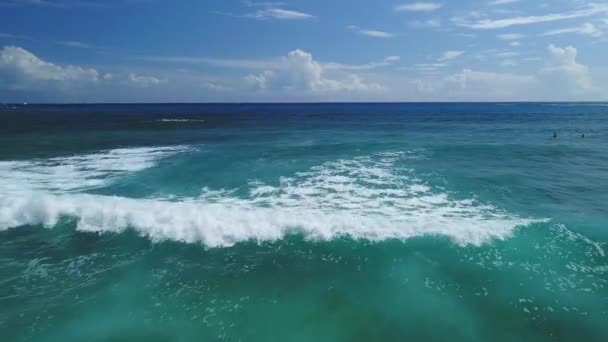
{"type": "Point", "coordinates": [418, 7]}
{"type": "Point", "coordinates": [563, 63]}
{"type": "Point", "coordinates": [300, 77]}
{"type": "Point", "coordinates": [30, 77]}
{"type": "Point", "coordinates": [563, 77]}
{"type": "Point", "coordinates": [261, 81]}
{"type": "Point", "coordinates": [299, 72]}
{"type": "Point", "coordinates": [20, 68]}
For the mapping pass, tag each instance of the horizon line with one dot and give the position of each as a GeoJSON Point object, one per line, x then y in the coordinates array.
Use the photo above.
{"type": "Point", "coordinates": [292, 102]}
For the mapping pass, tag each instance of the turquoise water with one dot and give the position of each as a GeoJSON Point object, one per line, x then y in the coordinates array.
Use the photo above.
{"type": "Point", "coordinates": [320, 222]}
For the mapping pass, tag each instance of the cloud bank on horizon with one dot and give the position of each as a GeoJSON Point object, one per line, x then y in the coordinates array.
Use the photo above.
{"type": "Point", "coordinates": [303, 50]}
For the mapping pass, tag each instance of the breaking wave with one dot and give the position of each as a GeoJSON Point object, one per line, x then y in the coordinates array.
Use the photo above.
{"type": "Point", "coordinates": [370, 197]}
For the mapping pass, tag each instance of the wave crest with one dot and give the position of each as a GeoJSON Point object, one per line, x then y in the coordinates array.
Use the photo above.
{"type": "Point", "coordinates": [372, 197]}
{"type": "Point", "coordinates": [217, 225]}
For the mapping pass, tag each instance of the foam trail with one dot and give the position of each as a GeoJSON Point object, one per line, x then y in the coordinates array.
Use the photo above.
{"type": "Point", "coordinates": [371, 198]}
{"type": "Point", "coordinates": [182, 120]}
{"type": "Point", "coordinates": [79, 172]}
{"type": "Point", "coordinates": [217, 225]}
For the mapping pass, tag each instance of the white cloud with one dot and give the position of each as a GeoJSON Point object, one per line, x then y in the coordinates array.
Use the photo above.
{"type": "Point", "coordinates": [143, 81]}
{"type": "Point", "coordinates": [262, 64]}
{"type": "Point", "coordinates": [260, 81]}
{"type": "Point", "coordinates": [449, 55]}
{"type": "Point", "coordinates": [270, 10]}
{"type": "Point", "coordinates": [281, 14]}
{"type": "Point", "coordinates": [371, 33]}
{"type": "Point", "coordinates": [388, 61]}
{"type": "Point", "coordinates": [506, 54]}
{"type": "Point", "coordinates": [301, 73]}
{"type": "Point", "coordinates": [429, 23]}
{"type": "Point", "coordinates": [299, 77]}
{"type": "Point", "coordinates": [216, 62]}
{"type": "Point", "coordinates": [501, 2]}
{"type": "Point", "coordinates": [563, 63]}
{"type": "Point", "coordinates": [467, 76]}
{"type": "Point", "coordinates": [494, 54]}
{"type": "Point", "coordinates": [562, 78]}
{"type": "Point", "coordinates": [585, 29]}
{"type": "Point", "coordinates": [24, 73]}
{"type": "Point", "coordinates": [429, 68]}
{"type": "Point", "coordinates": [490, 24]}
{"type": "Point", "coordinates": [500, 83]}
{"type": "Point", "coordinates": [214, 86]}
{"type": "Point", "coordinates": [23, 69]}
{"type": "Point", "coordinates": [75, 44]}
{"type": "Point", "coordinates": [418, 7]}
{"type": "Point", "coordinates": [511, 36]}
{"type": "Point", "coordinates": [473, 85]}
{"type": "Point", "coordinates": [376, 34]}
{"type": "Point", "coordinates": [250, 3]}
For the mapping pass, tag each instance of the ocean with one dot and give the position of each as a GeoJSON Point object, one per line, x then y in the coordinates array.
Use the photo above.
{"type": "Point", "coordinates": [304, 222]}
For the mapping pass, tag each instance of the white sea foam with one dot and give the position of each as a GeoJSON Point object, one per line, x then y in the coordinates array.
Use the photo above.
{"type": "Point", "coordinates": [373, 198]}
{"type": "Point", "coordinates": [576, 104]}
{"type": "Point", "coordinates": [182, 120]}
{"type": "Point", "coordinates": [79, 172]}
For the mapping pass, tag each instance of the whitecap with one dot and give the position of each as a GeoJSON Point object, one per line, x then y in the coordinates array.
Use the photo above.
{"type": "Point", "coordinates": [182, 120]}
{"type": "Point", "coordinates": [369, 197]}
{"type": "Point", "coordinates": [80, 172]}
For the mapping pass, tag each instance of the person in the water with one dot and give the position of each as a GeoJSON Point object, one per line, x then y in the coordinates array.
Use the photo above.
{"type": "Point", "coordinates": [554, 135]}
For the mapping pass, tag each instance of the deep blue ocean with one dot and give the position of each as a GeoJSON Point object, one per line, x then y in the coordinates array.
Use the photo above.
{"type": "Point", "coordinates": [304, 222]}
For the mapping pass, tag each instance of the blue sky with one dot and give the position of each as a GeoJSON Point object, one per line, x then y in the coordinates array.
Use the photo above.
{"type": "Point", "coordinates": [302, 50]}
